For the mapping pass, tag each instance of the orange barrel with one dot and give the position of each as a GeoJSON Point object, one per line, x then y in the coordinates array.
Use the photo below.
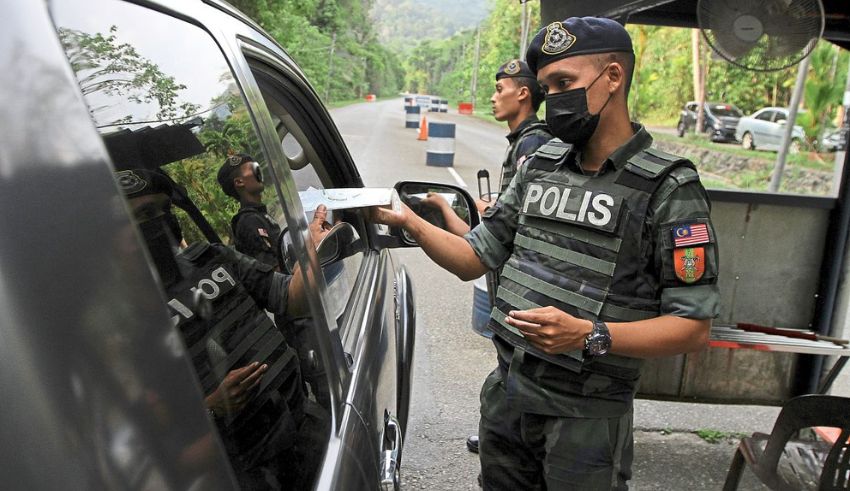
{"type": "Point", "coordinates": [464, 107]}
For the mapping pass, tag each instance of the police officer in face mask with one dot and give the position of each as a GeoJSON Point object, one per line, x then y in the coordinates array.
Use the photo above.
{"type": "Point", "coordinates": [249, 375]}
{"type": "Point", "coordinates": [608, 256]}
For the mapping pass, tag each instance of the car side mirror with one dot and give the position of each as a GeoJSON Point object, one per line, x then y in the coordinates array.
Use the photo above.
{"type": "Point", "coordinates": [340, 242]}
{"type": "Point", "coordinates": [448, 207]}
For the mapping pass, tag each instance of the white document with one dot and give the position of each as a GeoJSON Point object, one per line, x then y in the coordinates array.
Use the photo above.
{"type": "Point", "coordinates": [346, 198]}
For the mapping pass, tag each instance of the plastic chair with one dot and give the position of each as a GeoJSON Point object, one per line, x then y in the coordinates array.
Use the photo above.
{"type": "Point", "coordinates": [806, 464]}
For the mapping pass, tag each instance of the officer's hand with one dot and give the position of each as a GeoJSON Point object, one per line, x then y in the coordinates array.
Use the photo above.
{"type": "Point", "coordinates": [551, 330]}
{"type": "Point", "coordinates": [482, 205]}
{"type": "Point", "coordinates": [386, 216]}
{"type": "Point", "coordinates": [436, 201]}
{"type": "Point", "coordinates": [319, 226]}
{"type": "Point", "coordinates": [237, 388]}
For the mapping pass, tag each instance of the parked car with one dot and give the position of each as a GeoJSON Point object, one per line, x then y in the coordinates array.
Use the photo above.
{"type": "Point", "coordinates": [720, 120]}
{"type": "Point", "coordinates": [764, 130]}
{"type": "Point", "coordinates": [101, 383]}
{"type": "Point", "coordinates": [834, 140]}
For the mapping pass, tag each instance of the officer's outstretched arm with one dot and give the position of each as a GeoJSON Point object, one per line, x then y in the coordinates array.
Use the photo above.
{"type": "Point", "coordinates": [453, 253]}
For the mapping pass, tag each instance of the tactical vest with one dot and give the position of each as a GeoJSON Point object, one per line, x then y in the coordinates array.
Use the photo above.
{"type": "Point", "coordinates": [271, 226]}
{"type": "Point", "coordinates": [580, 247]}
{"type": "Point", "coordinates": [223, 329]}
{"type": "Point", "coordinates": [509, 166]}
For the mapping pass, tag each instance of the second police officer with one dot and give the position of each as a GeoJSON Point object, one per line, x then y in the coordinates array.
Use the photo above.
{"type": "Point", "coordinates": [607, 256]}
{"type": "Point", "coordinates": [516, 100]}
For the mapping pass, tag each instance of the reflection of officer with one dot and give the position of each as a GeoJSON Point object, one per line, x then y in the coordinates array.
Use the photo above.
{"type": "Point", "coordinates": [255, 232]}
{"type": "Point", "coordinates": [608, 257]}
{"type": "Point", "coordinates": [249, 375]}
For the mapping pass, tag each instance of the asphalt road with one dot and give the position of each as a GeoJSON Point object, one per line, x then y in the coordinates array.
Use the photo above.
{"type": "Point", "coordinates": [451, 361]}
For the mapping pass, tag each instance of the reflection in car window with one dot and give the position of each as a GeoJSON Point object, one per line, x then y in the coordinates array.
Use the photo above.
{"type": "Point", "coordinates": [313, 168]}
{"type": "Point", "coordinates": [171, 116]}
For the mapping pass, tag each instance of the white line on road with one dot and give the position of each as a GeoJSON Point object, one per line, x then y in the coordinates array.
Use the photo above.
{"type": "Point", "coordinates": [457, 177]}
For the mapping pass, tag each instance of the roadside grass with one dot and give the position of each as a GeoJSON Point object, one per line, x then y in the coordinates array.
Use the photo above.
{"type": "Point", "coordinates": [808, 160]}
{"type": "Point", "coordinates": [716, 436]}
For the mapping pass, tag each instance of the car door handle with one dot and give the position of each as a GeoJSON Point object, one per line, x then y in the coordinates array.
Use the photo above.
{"type": "Point", "coordinates": [390, 475]}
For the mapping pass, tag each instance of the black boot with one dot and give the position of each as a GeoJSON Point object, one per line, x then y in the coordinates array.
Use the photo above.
{"type": "Point", "coordinates": [472, 443]}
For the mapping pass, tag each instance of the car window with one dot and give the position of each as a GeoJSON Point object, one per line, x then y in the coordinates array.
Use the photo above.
{"type": "Point", "coordinates": [780, 116]}
{"type": "Point", "coordinates": [188, 159]}
{"type": "Point", "coordinates": [315, 165]}
{"type": "Point", "coordinates": [691, 107]}
{"type": "Point", "coordinates": [765, 116]}
{"type": "Point", "coordinates": [725, 110]}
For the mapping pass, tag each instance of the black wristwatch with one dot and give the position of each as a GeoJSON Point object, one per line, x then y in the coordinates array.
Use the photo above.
{"type": "Point", "coordinates": [598, 342]}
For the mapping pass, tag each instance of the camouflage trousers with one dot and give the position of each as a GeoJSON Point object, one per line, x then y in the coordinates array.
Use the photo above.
{"type": "Point", "coordinates": [536, 452]}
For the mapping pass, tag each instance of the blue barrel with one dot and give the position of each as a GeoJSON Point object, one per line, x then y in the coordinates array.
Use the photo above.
{"type": "Point", "coordinates": [481, 308]}
{"type": "Point", "coordinates": [441, 145]}
{"type": "Point", "coordinates": [411, 117]}
{"type": "Point", "coordinates": [435, 105]}
{"type": "Point", "coordinates": [444, 105]}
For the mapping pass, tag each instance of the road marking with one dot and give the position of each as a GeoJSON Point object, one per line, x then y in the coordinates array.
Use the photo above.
{"type": "Point", "coordinates": [457, 177]}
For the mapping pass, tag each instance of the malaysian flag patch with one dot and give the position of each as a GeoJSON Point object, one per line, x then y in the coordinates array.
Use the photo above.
{"type": "Point", "coordinates": [690, 234]}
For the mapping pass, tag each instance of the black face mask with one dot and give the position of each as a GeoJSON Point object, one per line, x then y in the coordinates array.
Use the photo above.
{"type": "Point", "coordinates": [157, 235]}
{"type": "Point", "coordinates": [568, 117]}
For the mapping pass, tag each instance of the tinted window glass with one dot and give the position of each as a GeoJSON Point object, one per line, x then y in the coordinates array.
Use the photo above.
{"type": "Point", "coordinates": [765, 116]}
{"type": "Point", "coordinates": [724, 110]}
{"type": "Point", "coordinates": [180, 135]}
{"type": "Point", "coordinates": [314, 167]}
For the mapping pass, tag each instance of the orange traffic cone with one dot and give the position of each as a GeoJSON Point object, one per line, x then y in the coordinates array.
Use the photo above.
{"type": "Point", "coordinates": [423, 129]}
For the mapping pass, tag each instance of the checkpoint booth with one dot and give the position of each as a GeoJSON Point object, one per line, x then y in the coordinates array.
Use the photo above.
{"type": "Point", "coordinates": [783, 260]}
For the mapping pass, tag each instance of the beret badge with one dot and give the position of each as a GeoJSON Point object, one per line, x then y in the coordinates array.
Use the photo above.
{"type": "Point", "coordinates": [557, 39]}
{"type": "Point", "coordinates": [130, 183]}
{"type": "Point", "coordinates": [513, 67]}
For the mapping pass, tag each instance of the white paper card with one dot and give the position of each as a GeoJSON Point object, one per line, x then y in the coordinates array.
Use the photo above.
{"type": "Point", "coordinates": [346, 198]}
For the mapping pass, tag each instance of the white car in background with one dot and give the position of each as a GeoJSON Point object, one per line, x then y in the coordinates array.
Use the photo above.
{"type": "Point", "coordinates": [764, 129]}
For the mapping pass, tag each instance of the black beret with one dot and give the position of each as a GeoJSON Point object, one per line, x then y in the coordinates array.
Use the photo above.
{"type": "Point", "coordinates": [576, 36]}
{"type": "Point", "coordinates": [225, 172]}
{"type": "Point", "coordinates": [139, 182]}
{"type": "Point", "coordinates": [515, 69]}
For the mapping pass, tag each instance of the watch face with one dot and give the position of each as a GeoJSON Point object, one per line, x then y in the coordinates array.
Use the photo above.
{"type": "Point", "coordinates": [598, 344]}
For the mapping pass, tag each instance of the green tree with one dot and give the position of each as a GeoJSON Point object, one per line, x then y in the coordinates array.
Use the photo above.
{"type": "Point", "coordinates": [105, 65]}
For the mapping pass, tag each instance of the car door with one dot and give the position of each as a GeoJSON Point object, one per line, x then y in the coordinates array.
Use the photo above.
{"type": "Point", "coordinates": [777, 130]}
{"type": "Point", "coordinates": [169, 95]}
{"type": "Point", "coordinates": [101, 396]}
{"type": "Point", "coordinates": [762, 126]}
{"type": "Point", "coordinates": [363, 297]}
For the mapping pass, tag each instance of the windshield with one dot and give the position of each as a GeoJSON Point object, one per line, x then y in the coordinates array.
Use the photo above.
{"type": "Point", "coordinates": [724, 110]}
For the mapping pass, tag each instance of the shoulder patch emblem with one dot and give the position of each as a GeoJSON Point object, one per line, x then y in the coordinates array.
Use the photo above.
{"type": "Point", "coordinates": [685, 235]}
{"type": "Point", "coordinates": [557, 39]}
{"type": "Point", "coordinates": [130, 182]}
{"type": "Point", "coordinates": [689, 263]}
{"type": "Point", "coordinates": [512, 68]}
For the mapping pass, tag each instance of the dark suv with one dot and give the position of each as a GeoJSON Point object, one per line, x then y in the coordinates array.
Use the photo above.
{"type": "Point", "coordinates": [720, 120]}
